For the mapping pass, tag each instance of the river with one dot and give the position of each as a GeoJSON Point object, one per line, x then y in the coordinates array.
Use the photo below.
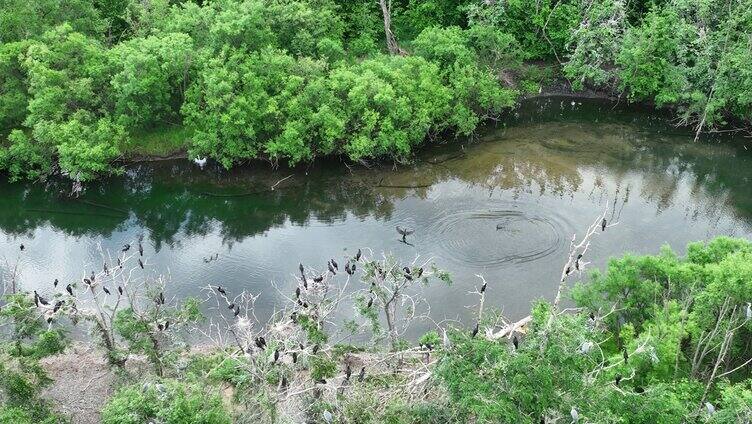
{"type": "Point", "coordinates": [540, 176]}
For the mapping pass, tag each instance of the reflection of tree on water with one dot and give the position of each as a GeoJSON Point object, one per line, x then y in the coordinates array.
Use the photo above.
{"type": "Point", "coordinates": [556, 158]}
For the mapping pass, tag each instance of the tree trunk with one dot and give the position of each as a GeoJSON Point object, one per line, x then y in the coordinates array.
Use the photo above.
{"type": "Point", "coordinates": [390, 310]}
{"type": "Point", "coordinates": [156, 360]}
{"type": "Point", "coordinates": [391, 40]}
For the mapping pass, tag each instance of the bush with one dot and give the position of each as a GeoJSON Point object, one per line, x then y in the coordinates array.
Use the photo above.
{"type": "Point", "coordinates": [168, 401]}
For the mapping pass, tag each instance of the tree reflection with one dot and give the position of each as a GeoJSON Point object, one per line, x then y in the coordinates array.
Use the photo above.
{"type": "Point", "coordinates": [174, 198]}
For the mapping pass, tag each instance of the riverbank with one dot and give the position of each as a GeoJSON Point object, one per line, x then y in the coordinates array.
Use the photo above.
{"type": "Point", "coordinates": [173, 141]}
{"type": "Point", "coordinates": [83, 382]}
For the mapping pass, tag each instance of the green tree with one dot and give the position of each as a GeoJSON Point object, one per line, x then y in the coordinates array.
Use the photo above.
{"type": "Point", "coordinates": [152, 76]}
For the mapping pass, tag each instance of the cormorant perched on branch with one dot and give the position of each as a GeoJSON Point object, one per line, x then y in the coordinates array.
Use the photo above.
{"type": "Point", "coordinates": [221, 290]}
{"type": "Point", "coordinates": [69, 289]}
{"type": "Point", "coordinates": [603, 225]}
{"type": "Point", "coordinates": [42, 300]}
{"type": "Point", "coordinates": [260, 342]}
{"type": "Point", "coordinates": [126, 247]}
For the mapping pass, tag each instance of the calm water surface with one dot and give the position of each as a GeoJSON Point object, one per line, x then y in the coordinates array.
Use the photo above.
{"type": "Point", "coordinates": [544, 175]}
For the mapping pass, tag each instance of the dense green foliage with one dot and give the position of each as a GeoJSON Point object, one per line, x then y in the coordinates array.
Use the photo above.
{"type": "Point", "coordinates": [22, 378]}
{"type": "Point", "coordinates": [169, 402]}
{"type": "Point", "coordinates": [691, 55]}
{"type": "Point", "coordinates": [283, 80]}
{"type": "Point", "coordinates": [682, 322]}
{"type": "Point", "coordinates": [84, 83]}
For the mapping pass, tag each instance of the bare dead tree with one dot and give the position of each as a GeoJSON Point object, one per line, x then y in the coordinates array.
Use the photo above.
{"type": "Point", "coordinates": [120, 286]}
{"type": "Point", "coordinates": [276, 352]}
{"type": "Point", "coordinates": [13, 273]}
{"type": "Point", "coordinates": [575, 263]}
{"type": "Point", "coordinates": [389, 290]}
{"type": "Point", "coordinates": [391, 41]}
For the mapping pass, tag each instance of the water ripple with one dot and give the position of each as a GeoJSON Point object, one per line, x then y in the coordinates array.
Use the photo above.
{"type": "Point", "coordinates": [493, 238]}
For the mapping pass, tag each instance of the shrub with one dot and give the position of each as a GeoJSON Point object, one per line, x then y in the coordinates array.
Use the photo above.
{"type": "Point", "coordinates": [168, 401]}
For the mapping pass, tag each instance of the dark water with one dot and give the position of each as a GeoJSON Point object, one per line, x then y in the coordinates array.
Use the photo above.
{"type": "Point", "coordinates": [544, 177]}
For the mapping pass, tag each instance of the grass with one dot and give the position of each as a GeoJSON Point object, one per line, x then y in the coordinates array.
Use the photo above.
{"type": "Point", "coordinates": [167, 140]}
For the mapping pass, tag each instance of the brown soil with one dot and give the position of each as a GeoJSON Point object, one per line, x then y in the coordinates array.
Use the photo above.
{"type": "Point", "coordinates": [83, 381]}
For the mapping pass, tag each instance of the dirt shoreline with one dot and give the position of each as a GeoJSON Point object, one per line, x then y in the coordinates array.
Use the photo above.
{"type": "Point", "coordinates": [83, 382]}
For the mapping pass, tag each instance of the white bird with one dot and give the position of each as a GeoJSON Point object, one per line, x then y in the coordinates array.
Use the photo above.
{"type": "Point", "coordinates": [586, 347]}
{"type": "Point", "coordinates": [328, 417]}
{"type": "Point", "coordinates": [711, 409]}
{"type": "Point", "coordinates": [201, 162]}
{"type": "Point", "coordinates": [749, 310]}
{"type": "Point", "coordinates": [575, 415]}
{"type": "Point", "coordinates": [447, 342]}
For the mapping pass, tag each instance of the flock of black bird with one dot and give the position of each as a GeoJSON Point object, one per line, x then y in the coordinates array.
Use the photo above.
{"type": "Point", "coordinates": [260, 342]}
{"type": "Point", "coordinates": [332, 267]}
{"type": "Point", "coordinates": [90, 283]}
